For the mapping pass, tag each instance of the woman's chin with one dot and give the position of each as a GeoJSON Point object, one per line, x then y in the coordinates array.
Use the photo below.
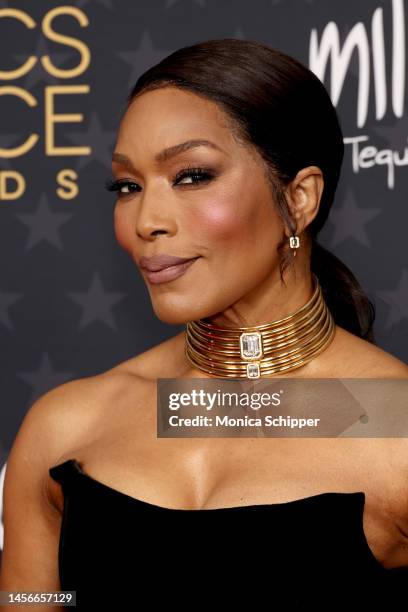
{"type": "Point", "coordinates": [172, 320]}
{"type": "Point", "coordinates": [171, 316]}
{"type": "Point", "coordinates": [176, 315]}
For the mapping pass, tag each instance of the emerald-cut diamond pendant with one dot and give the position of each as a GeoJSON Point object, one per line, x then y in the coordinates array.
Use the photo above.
{"type": "Point", "coordinates": [253, 370]}
{"type": "Point", "coordinates": [251, 348]}
{"type": "Point", "coordinates": [251, 345]}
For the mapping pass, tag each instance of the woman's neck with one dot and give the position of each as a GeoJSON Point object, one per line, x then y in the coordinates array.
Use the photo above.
{"type": "Point", "coordinates": [268, 302]}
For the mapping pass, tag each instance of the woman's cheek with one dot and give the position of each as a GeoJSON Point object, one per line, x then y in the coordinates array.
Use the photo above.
{"type": "Point", "coordinates": [123, 230]}
{"type": "Point", "coordinates": [220, 220]}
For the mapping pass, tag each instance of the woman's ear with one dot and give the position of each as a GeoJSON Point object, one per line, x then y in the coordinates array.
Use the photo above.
{"type": "Point", "coordinates": [303, 195]}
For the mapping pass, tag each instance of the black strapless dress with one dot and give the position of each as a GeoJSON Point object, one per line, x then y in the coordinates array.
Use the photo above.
{"type": "Point", "coordinates": [121, 553]}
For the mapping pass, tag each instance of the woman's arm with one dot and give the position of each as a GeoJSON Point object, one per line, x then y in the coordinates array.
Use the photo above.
{"type": "Point", "coordinates": [31, 522]}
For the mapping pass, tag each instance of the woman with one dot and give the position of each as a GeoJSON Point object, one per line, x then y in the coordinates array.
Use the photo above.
{"type": "Point", "coordinates": [228, 155]}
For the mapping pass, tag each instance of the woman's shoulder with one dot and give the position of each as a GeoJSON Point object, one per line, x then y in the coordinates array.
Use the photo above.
{"type": "Point", "coordinates": [66, 417]}
{"type": "Point", "coordinates": [360, 358]}
{"type": "Point", "coordinates": [70, 413]}
{"type": "Point", "coordinates": [164, 360]}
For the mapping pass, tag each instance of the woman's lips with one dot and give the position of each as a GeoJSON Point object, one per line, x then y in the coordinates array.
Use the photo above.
{"type": "Point", "coordinates": [170, 273]}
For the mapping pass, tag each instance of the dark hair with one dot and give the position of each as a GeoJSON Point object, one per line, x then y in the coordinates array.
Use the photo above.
{"type": "Point", "coordinates": [280, 107]}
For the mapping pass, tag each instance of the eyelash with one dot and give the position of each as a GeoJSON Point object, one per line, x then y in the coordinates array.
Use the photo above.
{"type": "Point", "coordinates": [203, 174]}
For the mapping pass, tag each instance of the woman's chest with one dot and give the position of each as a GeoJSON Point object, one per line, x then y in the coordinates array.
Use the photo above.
{"type": "Point", "coordinates": [224, 473]}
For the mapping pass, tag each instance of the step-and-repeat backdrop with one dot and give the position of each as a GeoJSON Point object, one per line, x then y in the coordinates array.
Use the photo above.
{"type": "Point", "coordinates": [71, 301]}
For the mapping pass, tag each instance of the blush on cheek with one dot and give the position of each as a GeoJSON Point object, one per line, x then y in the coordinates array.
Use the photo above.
{"type": "Point", "coordinates": [219, 221]}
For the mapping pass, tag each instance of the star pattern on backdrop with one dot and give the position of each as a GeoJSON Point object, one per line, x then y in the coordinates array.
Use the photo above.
{"type": "Point", "coordinates": [349, 221]}
{"type": "Point", "coordinates": [397, 300]}
{"type": "Point", "coordinates": [97, 303]}
{"type": "Point", "coordinates": [99, 139]}
{"type": "Point", "coordinates": [143, 57]}
{"type": "Point", "coordinates": [44, 378]}
{"type": "Point", "coordinates": [43, 224]}
{"type": "Point", "coordinates": [394, 135]}
{"type": "Point", "coordinates": [38, 74]}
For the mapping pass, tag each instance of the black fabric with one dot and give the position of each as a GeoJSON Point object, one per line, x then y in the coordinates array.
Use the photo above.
{"type": "Point", "coordinates": [118, 552]}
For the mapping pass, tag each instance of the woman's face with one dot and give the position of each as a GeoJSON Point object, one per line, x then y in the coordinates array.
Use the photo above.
{"type": "Point", "coordinates": [225, 217]}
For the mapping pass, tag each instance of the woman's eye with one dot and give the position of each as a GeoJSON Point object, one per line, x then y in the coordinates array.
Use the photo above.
{"type": "Point", "coordinates": [189, 176]}
{"type": "Point", "coordinates": [193, 176]}
{"type": "Point", "coordinates": [122, 187]}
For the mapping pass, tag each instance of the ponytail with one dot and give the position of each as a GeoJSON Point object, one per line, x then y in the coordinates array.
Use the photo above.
{"type": "Point", "coordinates": [345, 298]}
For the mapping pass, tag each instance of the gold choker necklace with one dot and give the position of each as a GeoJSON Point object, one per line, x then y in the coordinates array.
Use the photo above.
{"type": "Point", "coordinates": [260, 350]}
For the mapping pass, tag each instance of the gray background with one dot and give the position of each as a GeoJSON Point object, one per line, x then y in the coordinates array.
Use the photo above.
{"type": "Point", "coordinates": [72, 304]}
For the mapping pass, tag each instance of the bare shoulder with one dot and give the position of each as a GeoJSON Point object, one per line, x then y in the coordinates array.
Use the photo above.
{"type": "Point", "coordinates": [362, 358]}
{"type": "Point", "coordinates": [73, 414]}
{"type": "Point", "coordinates": [63, 421]}
{"type": "Point", "coordinates": [66, 415]}
{"type": "Point", "coordinates": [164, 360]}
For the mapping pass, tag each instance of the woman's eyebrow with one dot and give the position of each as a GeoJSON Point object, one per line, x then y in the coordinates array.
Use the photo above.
{"type": "Point", "coordinates": [166, 154]}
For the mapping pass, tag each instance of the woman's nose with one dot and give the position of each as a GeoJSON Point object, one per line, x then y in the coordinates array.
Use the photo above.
{"type": "Point", "coordinates": [154, 215]}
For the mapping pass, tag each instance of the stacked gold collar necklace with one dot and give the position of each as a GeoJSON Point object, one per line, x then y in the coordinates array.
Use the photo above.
{"type": "Point", "coordinates": [252, 352]}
